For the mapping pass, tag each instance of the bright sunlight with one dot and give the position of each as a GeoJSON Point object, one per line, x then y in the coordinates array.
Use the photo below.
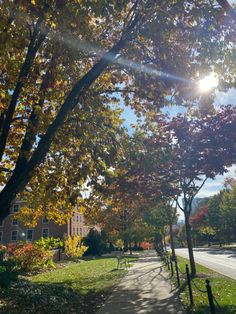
{"type": "Point", "coordinates": [208, 82]}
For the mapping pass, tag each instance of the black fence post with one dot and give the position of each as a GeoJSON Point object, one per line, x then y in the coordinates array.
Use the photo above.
{"type": "Point", "coordinates": [167, 262]}
{"type": "Point", "coordinates": [171, 267]}
{"type": "Point", "coordinates": [189, 286]}
{"type": "Point", "coordinates": [210, 297]}
{"type": "Point", "coordinates": [177, 272]}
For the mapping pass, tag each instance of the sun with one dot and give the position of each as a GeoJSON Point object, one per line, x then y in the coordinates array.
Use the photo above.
{"type": "Point", "coordinates": [208, 83]}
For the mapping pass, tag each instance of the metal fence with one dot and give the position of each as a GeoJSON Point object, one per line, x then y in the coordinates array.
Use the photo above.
{"type": "Point", "coordinates": [175, 271]}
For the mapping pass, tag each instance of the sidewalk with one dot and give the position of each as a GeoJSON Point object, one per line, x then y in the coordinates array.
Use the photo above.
{"type": "Point", "coordinates": [145, 289]}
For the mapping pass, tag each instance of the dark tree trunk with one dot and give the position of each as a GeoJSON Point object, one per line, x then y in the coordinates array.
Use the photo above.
{"type": "Point", "coordinates": [164, 242]}
{"type": "Point", "coordinates": [130, 248]}
{"type": "Point", "coordinates": [126, 245]}
{"type": "Point", "coordinates": [159, 243]}
{"type": "Point", "coordinates": [189, 243]}
{"type": "Point", "coordinates": [172, 242]}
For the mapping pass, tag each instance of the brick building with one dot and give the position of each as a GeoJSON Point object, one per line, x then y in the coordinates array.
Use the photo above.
{"type": "Point", "coordinates": [12, 230]}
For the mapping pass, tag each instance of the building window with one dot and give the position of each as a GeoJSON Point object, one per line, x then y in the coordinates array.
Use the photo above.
{"type": "Point", "coordinates": [45, 233]}
{"type": "Point", "coordinates": [14, 235]}
{"type": "Point", "coordinates": [14, 222]}
{"type": "Point", "coordinates": [0, 236]}
{"type": "Point", "coordinates": [45, 220]}
{"type": "Point", "coordinates": [77, 218]}
{"type": "Point", "coordinates": [81, 231]}
{"type": "Point", "coordinates": [1, 222]}
{"type": "Point", "coordinates": [29, 234]}
{"type": "Point", "coordinates": [16, 208]}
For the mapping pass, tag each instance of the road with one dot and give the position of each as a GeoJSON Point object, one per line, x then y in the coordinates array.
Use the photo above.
{"type": "Point", "coordinates": [221, 260]}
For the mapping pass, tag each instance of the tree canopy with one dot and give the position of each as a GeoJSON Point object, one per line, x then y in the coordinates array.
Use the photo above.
{"type": "Point", "coordinates": [63, 62]}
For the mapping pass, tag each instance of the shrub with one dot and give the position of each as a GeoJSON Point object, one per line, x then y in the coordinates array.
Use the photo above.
{"type": "Point", "coordinates": [27, 257]}
{"type": "Point", "coordinates": [49, 243]}
{"type": "Point", "coordinates": [96, 242]}
{"type": "Point", "coordinates": [74, 247]}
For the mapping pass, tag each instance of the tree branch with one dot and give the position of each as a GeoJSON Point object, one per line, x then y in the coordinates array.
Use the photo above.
{"type": "Point", "coordinates": [22, 176]}
{"type": "Point", "coordinates": [226, 6]}
{"type": "Point", "coordinates": [177, 202]}
{"type": "Point", "coordinates": [36, 41]}
{"type": "Point", "coordinates": [33, 122]}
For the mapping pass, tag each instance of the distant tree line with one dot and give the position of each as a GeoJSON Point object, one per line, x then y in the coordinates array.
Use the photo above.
{"type": "Point", "coordinates": [214, 220]}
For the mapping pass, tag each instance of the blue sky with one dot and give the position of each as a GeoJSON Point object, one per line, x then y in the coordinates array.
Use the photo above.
{"type": "Point", "coordinates": [212, 186]}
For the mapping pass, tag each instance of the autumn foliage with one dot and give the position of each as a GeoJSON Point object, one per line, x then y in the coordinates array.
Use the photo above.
{"type": "Point", "coordinates": [27, 257]}
{"type": "Point", "coordinates": [65, 65]}
{"type": "Point", "coordinates": [198, 218]}
{"type": "Point", "coordinates": [74, 247]}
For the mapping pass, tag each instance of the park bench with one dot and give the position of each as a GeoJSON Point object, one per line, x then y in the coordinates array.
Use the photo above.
{"type": "Point", "coordinates": [122, 262]}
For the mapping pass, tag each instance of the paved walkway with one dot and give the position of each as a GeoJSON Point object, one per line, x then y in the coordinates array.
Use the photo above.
{"type": "Point", "coordinates": [145, 289]}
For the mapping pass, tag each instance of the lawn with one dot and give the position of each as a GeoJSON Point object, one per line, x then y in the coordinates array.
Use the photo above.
{"type": "Point", "coordinates": [71, 288]}
{"type": "Point", "coordinates": [223, 288]}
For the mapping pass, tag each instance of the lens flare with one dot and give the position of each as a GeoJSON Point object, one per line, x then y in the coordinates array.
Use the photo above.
{"type": "Point", "coordinates": [208, 83]}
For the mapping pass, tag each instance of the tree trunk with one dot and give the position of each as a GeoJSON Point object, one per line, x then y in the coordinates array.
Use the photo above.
{"type": "Point", "coordinates": [130, 248]}
{"type": "Point", "coordinates": [189, 243]}
{"type": "Point", "coordinates": [164, 242]}
{"type": "Point", "coordinates": [158, 243]}
{"type": "Point", "coordinates": [172, 242]}
{"type": "Point", "coordinates": [22, 175]}
{"type": "Point", "coordinates": [126, 246]}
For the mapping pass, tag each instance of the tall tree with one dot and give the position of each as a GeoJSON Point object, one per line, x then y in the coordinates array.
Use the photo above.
{"type": "Point", "coordinates": [60, 58]}
{"type": "Point", "coordinates": [202, 148]}
{"type": "Point", "coordinates": [228, 212]}
{"type": "Point", "coordinates": [214, 216]}
{"type": "Point", "coordinates": [193, 149]}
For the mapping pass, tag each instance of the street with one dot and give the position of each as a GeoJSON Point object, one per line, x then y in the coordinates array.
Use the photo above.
{"type": "Point", "coordinates": [221, 260]}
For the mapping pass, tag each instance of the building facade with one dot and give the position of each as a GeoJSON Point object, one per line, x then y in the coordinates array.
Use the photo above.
{"type": "Point", "coordinates": [12, 230]}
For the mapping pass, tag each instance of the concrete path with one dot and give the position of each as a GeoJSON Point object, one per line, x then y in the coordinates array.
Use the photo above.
{"type": "Point", "coordinates": [145, 289]}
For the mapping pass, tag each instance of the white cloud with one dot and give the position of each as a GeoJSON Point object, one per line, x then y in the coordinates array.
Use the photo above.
{"type": "Point", "coordinates": [214, 186]}
{"type": "Point", "coordinates": [228, 98]}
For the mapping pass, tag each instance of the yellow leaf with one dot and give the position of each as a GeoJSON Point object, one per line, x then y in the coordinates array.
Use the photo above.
{"type": "Point", "coordinates": [53, 25]}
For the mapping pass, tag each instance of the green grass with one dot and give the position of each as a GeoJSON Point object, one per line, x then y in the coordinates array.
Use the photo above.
{"type": "Point", "coordinates": [71, 288]}
{"type": "Point", "coordinates": [223, 288]}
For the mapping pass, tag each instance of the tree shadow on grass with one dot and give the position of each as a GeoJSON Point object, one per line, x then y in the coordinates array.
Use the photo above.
{"type": "Point", "coordinates": [23, 297]}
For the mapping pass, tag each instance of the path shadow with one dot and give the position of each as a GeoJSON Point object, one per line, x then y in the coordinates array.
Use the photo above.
{"type": "Point", "coordinates": [134, 303]}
